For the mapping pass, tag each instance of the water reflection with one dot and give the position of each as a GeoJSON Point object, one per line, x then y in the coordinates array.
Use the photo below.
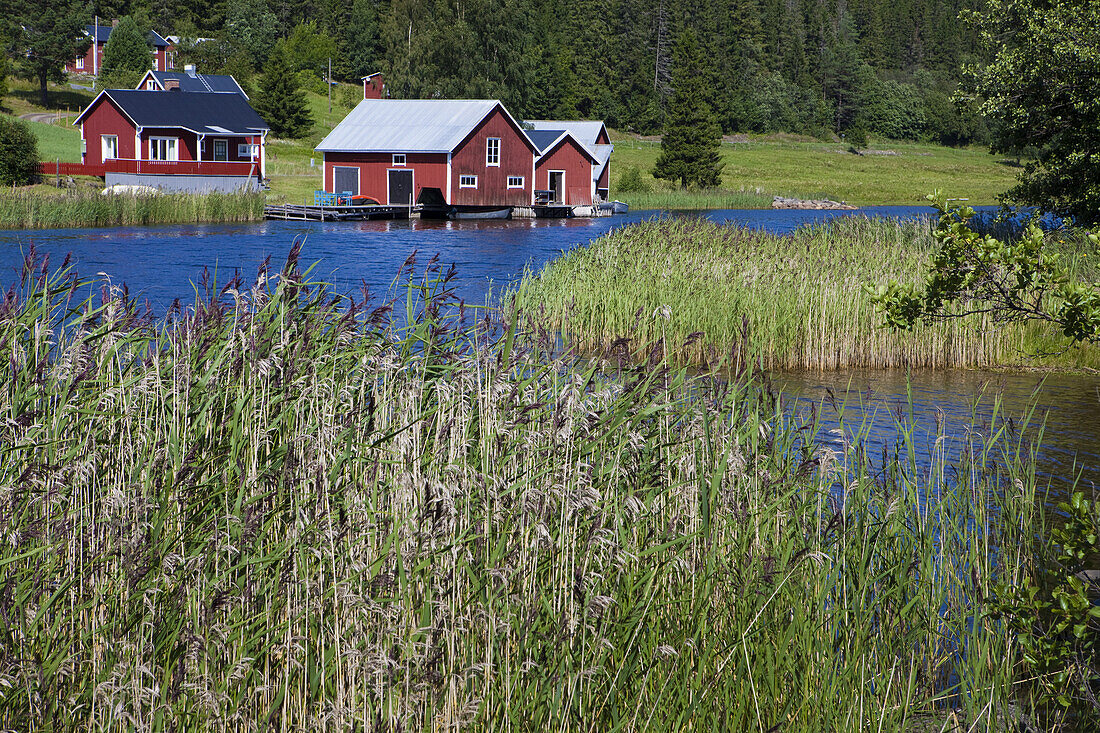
{"type": "Point", "coordinates": [1067, 409]}
{"type": "Point", "coordinates": [162, 262]}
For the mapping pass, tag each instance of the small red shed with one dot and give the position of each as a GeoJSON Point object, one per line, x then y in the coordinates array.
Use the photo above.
{"type": "Point", "coordinates": [464, 154]}
{"type": "Point", "coordinates": [374, 87]}
{"type": "Point", "coordinates": [565, 170]}
{"type": "Point", "coordinates": [592, 134]}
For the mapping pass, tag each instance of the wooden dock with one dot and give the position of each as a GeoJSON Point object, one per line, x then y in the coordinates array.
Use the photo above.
{"type": "Point", "coordinates": [310, 212]}
{"type": "Point", "coordinates": [543, 211]}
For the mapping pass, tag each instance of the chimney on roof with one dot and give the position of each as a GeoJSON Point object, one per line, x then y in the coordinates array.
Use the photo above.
{"type": "Point", "coordinates": [373, 86]}
{"type": "Point", "coordinates": [171, 85]}
{"type": "Point", "coordinates": [189, 69]}
{"type": "Point", "coordinates": [114, 23]}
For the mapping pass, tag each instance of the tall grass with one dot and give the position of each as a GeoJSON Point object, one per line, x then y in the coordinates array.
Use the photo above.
{"type": "Point", "coordinates": [672, 199]}
{"type": "Point", "coordinates": [709, 292]}
{"type": "Point", "coordinates": [278, 510]}
{"type": "Point", "coordinates": [32, 210]}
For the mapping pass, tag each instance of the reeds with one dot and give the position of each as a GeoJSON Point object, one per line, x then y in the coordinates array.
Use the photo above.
{"type": "Point", "coordinates": [712, 293]}
{"type": "Point", "coordinates": [280, 510]}
{"type": "Point", "coordinates": [33, 210]}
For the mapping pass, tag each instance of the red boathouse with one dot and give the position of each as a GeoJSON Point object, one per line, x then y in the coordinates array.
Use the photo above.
{"type": "Point", "coordinates": [565, 170]}
{"type": "Point", "coordinates": [466, 154]}
{"type": "Point", "coordinates": [592, 134]}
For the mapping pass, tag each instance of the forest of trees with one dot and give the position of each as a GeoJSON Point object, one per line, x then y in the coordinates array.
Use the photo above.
{"type": "Point", "coordinates": [887, 67]}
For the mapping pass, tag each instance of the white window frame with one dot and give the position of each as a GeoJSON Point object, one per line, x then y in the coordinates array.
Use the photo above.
{"type": "Point", "coordinates": [564, 190]}
{"type": "Point", "coordinates": [492, 152]}
{"type": "Point", "coordinates": [103, 146]}
{"type": "Point", "coordinates": [248, 150]}
{"type": "Point", "coordinates": [398, 159]}
{"type": "Point", "coordinates": [151, 85]}
{"type": "Point", "coordinates": [80, 63]}
{"type": "Point", "coordinates": [171, 148]}
{"type": "Point", "coordinates": [515, 178]}
{"type": "Point", "coordinates": [214, 154]}
{"type": "Point", "coordinates": [467, 177]}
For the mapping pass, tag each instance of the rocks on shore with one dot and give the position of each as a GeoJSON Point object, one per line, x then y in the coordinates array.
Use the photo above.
{"type": "Point", "coordinates": [779, 202]}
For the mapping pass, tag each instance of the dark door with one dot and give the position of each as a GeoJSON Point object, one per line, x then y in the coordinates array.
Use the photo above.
{"type": "Point", "coordinates": [345, 178]}
{"type": "Point", "coordinates": [557, 185]}
{"type": "Point", "coordinates": [401, 188]}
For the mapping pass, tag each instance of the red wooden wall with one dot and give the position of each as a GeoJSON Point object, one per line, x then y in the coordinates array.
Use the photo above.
{"type": "Point", "coordinates": [88, 67]}
{"type": "Point", "coordinates": [569, 157]}
{"type": "Point", "coordinates": [429, 171]}
{"type": "Point", "coordinates": [160, 59]}
{"type": "Point", "coordinates": [516, 159]}
{"type": "Point", "coordinates": [373, 87]}
{"type": "Point", "coordinates": [602, 185]}
{"type": "Point", "coordinates": [106, 119]}
{"type": "Point", "coordinates": [187, 146]}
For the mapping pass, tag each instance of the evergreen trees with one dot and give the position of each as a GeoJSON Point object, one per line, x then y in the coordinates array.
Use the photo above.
{"type": "Point", "coordinates": [807, 66]}
{"type": "Point", "coordinates": [689, 149]}
{"type": "Point", "coordinates": [48, 35]}
{"type": "Point", "coordinates": [252, 27]}
{"type": "Point", "coordinates": [126, 56]}
{"type": "Point", "coordinates": [280, 102]}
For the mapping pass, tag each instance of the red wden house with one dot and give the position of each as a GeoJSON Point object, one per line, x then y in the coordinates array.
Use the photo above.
{"type": "Point", "coordinates": [592, 135]}
{"type": "Point", "coordinates": [92, 60]}
{"type": "Point", "coordinates": [174, 140]}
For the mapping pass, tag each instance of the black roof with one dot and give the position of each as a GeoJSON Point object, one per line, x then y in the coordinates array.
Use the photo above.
{"type": "Point", "coordinates": [103, 32]}
{"type": "Point", "coordinates": [218, 112]}
{"type": "Point", "coordinates": [201, 82]}
{"type": "Point", "coordinates": [543, 138]}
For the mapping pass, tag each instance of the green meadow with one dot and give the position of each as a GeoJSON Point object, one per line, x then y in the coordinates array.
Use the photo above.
{"type": "Point", "coordinates": [888, 172]}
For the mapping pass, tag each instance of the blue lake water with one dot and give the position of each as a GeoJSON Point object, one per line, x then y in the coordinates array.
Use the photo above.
{"type": "Point", "coordinates": [159, 264]}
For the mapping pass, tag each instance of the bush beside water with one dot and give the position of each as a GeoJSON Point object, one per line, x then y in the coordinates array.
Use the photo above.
{"type": "Point", "coordinates": [278, 509]}
{"type": "Point", "coordinates": [34, 210]}
{"type": "Point", "coordinates": [18, 152]}
{"type": "Point", "coordinates": [719, 293]}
